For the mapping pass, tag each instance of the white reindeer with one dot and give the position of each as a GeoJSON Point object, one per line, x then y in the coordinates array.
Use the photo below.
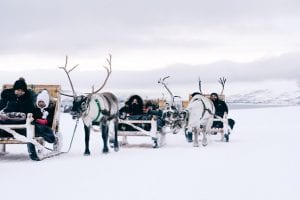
{"type": "Point", "coordinates": [199, 116]}
{"type": "Point", "coordinates": [200, 113]}
{"type": "Point", "coordinates": [96, 109]}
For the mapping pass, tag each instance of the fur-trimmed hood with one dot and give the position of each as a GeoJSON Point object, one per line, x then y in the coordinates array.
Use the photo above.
{"type": "Point", "coordinates": [43, 96]}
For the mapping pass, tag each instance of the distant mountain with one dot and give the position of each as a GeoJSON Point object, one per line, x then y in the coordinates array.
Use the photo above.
{"type": "Point", "coordinates": [267, 81]}
{"type": "Point", "coordinates": [266, 97]}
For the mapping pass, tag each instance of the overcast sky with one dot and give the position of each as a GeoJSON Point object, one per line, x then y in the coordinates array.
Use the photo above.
{"type": "Point", "coordinates": [145, 35]}
{"type": "Point", "coordinates": [156, 34]}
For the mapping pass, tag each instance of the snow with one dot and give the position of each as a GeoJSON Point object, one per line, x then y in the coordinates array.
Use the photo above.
{"type": "Point", "coordinates": [260, 162]}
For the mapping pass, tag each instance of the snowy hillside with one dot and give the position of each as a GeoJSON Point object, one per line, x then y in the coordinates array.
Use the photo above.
{"type": "Point", "coordinates": [266, 97]}
{"type": "Point", "coordinates": [272, 92]}
{"type": "Point", "coordinates": [260, 162]}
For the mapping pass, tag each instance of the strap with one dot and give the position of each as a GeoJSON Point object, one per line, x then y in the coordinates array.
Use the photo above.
{"type": "Point", "coordinates": [205, 109]}
{"type": "Point", "coordinates": [99, 110]}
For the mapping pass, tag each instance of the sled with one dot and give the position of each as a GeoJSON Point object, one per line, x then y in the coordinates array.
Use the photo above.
{"type": "Point", "coordinates": [145, 126]}
{"type": "Point", "coordinates": [36, 145]}
{"type": "Point", "coordinates": [139, 131]}
{"type": "Point", "coordinates": [225, 130]}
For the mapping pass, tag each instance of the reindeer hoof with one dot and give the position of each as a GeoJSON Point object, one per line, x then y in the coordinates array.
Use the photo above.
{"type": "Point", "coordinates": [226, 136]}
{"type": "Point", "coordinates": [87, 153]}
{"type": "Point", "coordinates": [105, 150]}
{"type": "Point", "coordinates": [116, 149]}
{"type": "Point", "coordinates": [189, 137]}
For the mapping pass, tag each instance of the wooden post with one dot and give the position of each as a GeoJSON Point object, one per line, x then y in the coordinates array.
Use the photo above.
{"type": "Point", "coordinates": [153, 126]}
{"type": "Point", "coordinates": [30, 132]}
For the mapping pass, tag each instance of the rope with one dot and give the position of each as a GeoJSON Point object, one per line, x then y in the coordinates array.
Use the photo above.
{"type": "Point", "coordinates": [71, 139]}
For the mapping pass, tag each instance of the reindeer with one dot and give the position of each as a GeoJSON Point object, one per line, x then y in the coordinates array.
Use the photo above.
{"type": "Point", "coordinates": [199, 117]}
{"type": "Point", "coordinates": [171, 115]}
{"type": "Point", "coordinates": [95, 109]}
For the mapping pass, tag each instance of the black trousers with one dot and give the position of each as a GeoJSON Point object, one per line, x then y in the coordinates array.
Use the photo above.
{"type": "Point", "coordinates": [219, 124]}
{"type": "Point", "coordinates": [44, 132]}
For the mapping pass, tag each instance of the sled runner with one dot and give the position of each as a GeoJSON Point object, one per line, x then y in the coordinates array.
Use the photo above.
{"type": "Point", "coordinates": [10, 131]}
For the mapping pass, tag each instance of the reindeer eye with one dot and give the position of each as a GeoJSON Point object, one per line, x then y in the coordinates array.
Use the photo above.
{"type": "Point", "coordinates": [83, 105]}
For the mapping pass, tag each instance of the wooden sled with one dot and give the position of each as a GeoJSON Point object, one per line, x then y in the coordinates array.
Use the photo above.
{"type": "Point", "coordinates": [224, 131]}
{"type": "Point", "coordinates": [36, 145]}
{"type": "Point", "coordinates": [140, 131]}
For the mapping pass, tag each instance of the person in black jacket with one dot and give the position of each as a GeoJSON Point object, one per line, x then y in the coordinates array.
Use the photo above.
{"type": "Point", "coordinates": [221, 108]}
{"type": "Point", "coordinates": [15, 102]}
{"type": "Point", "coordinates": [17, 99]}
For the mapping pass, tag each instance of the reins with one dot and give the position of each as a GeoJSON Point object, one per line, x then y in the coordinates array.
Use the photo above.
{"type": "Point", "coordinates": [70, 145]}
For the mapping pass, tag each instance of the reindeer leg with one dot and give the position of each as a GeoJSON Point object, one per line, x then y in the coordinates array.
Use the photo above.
{"type": "Point", "coordinates": [104, 130]}
{"type": "Point", "coordinates": [116, 143]}
{"type": "Point", "coordinates": [204, 137]}
{"type": "Point", "coordinates": [87, 140]}
{"type": "Point", "coordinates": [196, 140]}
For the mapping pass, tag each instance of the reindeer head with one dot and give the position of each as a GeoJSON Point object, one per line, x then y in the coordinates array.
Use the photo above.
{"type": "Point", "coordinates": [80, 103]}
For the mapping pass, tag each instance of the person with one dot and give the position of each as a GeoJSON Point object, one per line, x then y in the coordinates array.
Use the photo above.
{"type": "Point", "coordinates": [221, 109]}
{"type": "Point", "coordinates": [17, 99]}
{"type": "Point", "coordinates": [124, 111]}
{"type": "Point", "coordinates": [15, 104]}
{"type": "Point", "coordinates": [135, 105]}
{"type": "Point", "coordinates": [43, 116]}
{"type": "Point", "coordinates": [152, 109]}
{"type": "Point", "coordinates": [134, 109]}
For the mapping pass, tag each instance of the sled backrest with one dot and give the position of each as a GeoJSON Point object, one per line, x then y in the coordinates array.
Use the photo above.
{"type": "Point", "coordinates": [55, 100]}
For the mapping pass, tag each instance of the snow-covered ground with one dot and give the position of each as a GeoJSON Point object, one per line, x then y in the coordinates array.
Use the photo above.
{"type": "Point", "coordinates": [260, 162]}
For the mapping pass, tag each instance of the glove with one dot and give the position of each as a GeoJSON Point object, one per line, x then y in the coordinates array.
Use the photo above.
{"type": "Point", "coordinates": [42, 121]}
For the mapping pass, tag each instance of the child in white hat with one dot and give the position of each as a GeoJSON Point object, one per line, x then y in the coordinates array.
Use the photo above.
{"type": "Point", "coordinates": [42, 102]}
{"type": "Point", "coordinates": [43, 117]}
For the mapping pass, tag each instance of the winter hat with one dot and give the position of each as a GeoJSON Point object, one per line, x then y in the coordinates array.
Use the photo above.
{"type": "Point", "coordinates": [20, 84]}
{"type": "Point", "coordinates": [43, 96]}
{"type": "Point", "coordinates": [215, 94]}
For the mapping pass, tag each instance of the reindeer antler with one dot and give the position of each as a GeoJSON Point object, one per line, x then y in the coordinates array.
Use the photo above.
{"type": "Point", "coordinates": [108, 70]}
{"type": "Point", "coordinates": [68, 75]}
{"type": "Point", "coordinates": [222, 81]}
{"type": "Point", "coordinates": [162, 81]}
{"type": "Point", "coordinates": [200, 89]}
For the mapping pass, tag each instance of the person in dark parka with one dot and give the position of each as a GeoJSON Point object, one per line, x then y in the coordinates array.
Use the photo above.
{"type": "Point", "coordinates": [17, 99]}
{"type": "Point", "coordinates": [135, 105]}
{"type": "Point", "coordinates": [220, 109]}
{"type": "Point", "coordinates": [220, 106]}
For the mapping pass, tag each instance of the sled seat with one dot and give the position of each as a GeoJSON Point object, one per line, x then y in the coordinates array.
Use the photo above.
{"type": "Point", "coordinates": [138, 130]}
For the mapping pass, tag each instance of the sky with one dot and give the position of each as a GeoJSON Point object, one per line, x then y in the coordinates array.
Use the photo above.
{"type": "Point", "coordinates": [150, 35]}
